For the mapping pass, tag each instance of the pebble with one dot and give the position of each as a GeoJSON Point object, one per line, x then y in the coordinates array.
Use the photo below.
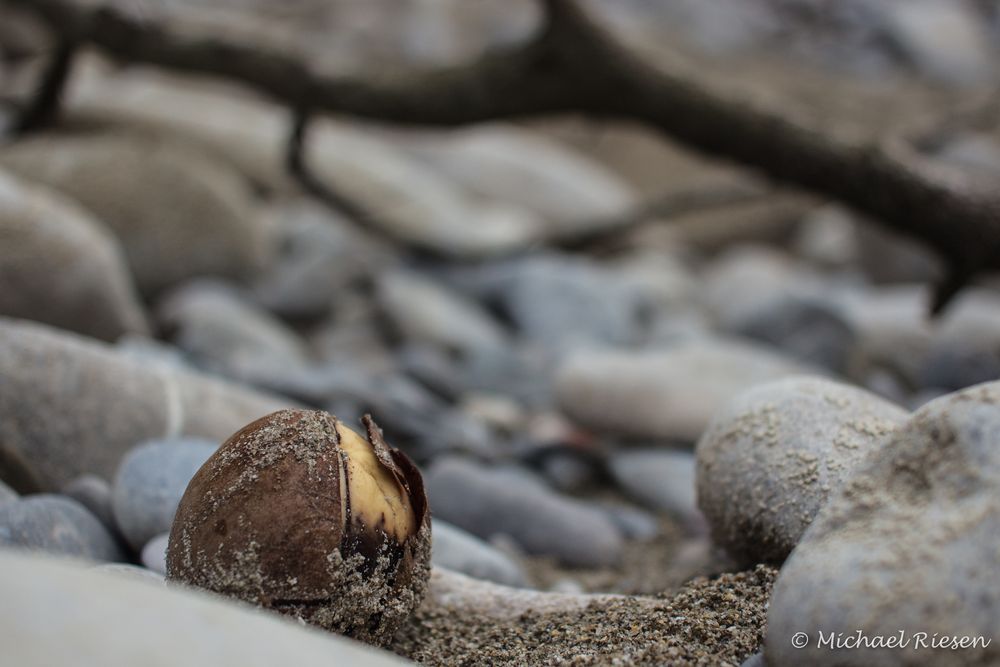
{"type": "Point", "coordinates": [60, 266]}
{"type": "Point", "coordinates": [422, 311]}
{"type": "Point", "coordinates": [177, 213]}
{"type": "Point", "coordinates": [809, 329]}
{"type": "Point", "coordinates": [568, 191]}
{"type": "Point", "coordinates": [774, 454]}
{"type": "Point", "coordinates": [944, 40]}
{"type": "Point", "coordinates": [965, 349]}
{"type": "Point", "coordinates": [908, 544]}
{"type": "Point", "coordinates": [70, 406]}
{"type": "Point", "coordinates": [485, 502]}
{"type": "Point", "coordinates": [661, 480]}
{"type": "Point", "coordinates": [412, 204]}
{"type": "Point", "coordinates": [149, 484]}
{"type": "Point", "coordinates": [559, 300]}
{"type": "Point", "coordinates": [223, 332]}
{"type": "Point", "coordinates": [162, 625]}
{"type": "Point", "coordinates": [463, 552]}
{"type": "Point", "coordinates": [58, 525]}
{"type": "Point", "coordinates": [667, 394]}
{"type": "Point", "coordinates": [154, 554]}
{"type": "Point", "coordinates": [634, 523]}
{"type": "Point", "coordinates": [94, 493]}
{"type": "Point", "coordinates": [321, 253]}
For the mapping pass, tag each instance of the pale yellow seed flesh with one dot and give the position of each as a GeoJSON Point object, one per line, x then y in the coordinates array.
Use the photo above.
{"type": "Point", "coordinates": [375, 493]}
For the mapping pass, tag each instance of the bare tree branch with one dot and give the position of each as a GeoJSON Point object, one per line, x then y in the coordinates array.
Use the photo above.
{"type": "Point", "coordinates": [574, 65]}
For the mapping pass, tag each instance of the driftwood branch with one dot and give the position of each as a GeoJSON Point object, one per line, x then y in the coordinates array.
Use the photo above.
{"type": "Point", "coordinates": [573, 65]}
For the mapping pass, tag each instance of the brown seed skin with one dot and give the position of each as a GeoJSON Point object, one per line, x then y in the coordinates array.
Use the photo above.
{"type": "Point", "coordinates": [270, 519]}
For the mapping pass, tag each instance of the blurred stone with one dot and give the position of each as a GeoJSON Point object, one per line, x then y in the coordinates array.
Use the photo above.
{"type": "Point", "coordinates": [89, 405]}
{"type": "Point", "coordinates": [461, 551]}
{"type": "Point", "coordinates": [966, 345]}
{"type": "Point", "coordinates": [175, 625]}
{"type": "Point", "coordinates": [668, 395]}
{"type": "Point", "coordinates": [177, 213]}
{"type": "Point", "coordinates": [154, 554]}
{"type": "Point", "coordinates": [808, 329]}
{"type": "Point", "coordinates": [7, 494]}
{"type": "Point", "coordinates": [942, 38]}
{"type": "Point", "coordinates": [403, 199]}
{"type": "Point", "coordinates": [93, 493]}
{"type": "Point", "coordinates": [486, 502]}
{"type": "Point", "coordinates": [60, 266]}
{"type": "Point", "coordinates": [977, 153]}
{"type": "Point", "coordinates": [660, 479]}
{"type": "Point", "coordinates": [568, 191]}
{"type": "Point", "coordinates": [321, 253]}
{"type": "Point", "coordinates": [422, 311]}
{"type": "Point", "coordinates": [149, 484]}
{"type": "Point", "coordinates": [223, 332]}
{"type": "Point", "coordinates": [58, 525]}
{"type": "Point", "coordinates": [828, 237]}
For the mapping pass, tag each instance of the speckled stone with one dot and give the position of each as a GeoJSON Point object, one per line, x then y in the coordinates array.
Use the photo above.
{"type": "Point", "coordinates": [909, 544]}
{"type": "Point", "coordinates": [150, 483]}
{"type": "Point", "coordinates": [58, 525]}
{"type": "Point", "coordinates": [772, 456]}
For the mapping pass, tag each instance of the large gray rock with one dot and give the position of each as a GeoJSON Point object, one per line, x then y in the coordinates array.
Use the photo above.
{"type": "Point", "coordinates": [69, 405]}
{"type": "Point", "coordinates": [150, 482]}
{"type": "Point", "coordinates": [909, 544]}
{"type": "Point", "coordinates": [58, 525]}
{"type": "Point", "coordinates": [486, 503]}
{"type": "Point", "coordinates": [669, 394]}
{"type": "Point", "coordinates": [773, 455]}
{"type": "Point", "coordinates": [60, 266]}
{"type": "Point", "coordinates": [177, 213]}
{"type": "Point", "coordinates": [463, 552]}
{"type": "Point", "coordinates": [58, 613]}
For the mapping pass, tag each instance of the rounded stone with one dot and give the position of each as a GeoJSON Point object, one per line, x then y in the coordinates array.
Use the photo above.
{"type": "Point", "coordinates": [177, 212]}
{"type": "Point", "coordinates": [149, 485]}
{"type": "Point", "coordinates": [58, 525]}
{"type": "Point", "coordinates": [488, 502]}
{"type": "Point", "coordinates": [60, 266]}
{"type": "Point", "coordinates": [70, 405]}
{"type": "Point", "coordinates": [461, 551]}
{"type": "Point", "coordinates": [154, 554]}
{"type": "Point", "coordinates": [94, 493]}
{"type": "Point", "coordinates": [909, 544]}
{"type": "Point", "coordinates": [771, 458]}
{"type": "Point", "coordinates": [665, 394]}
